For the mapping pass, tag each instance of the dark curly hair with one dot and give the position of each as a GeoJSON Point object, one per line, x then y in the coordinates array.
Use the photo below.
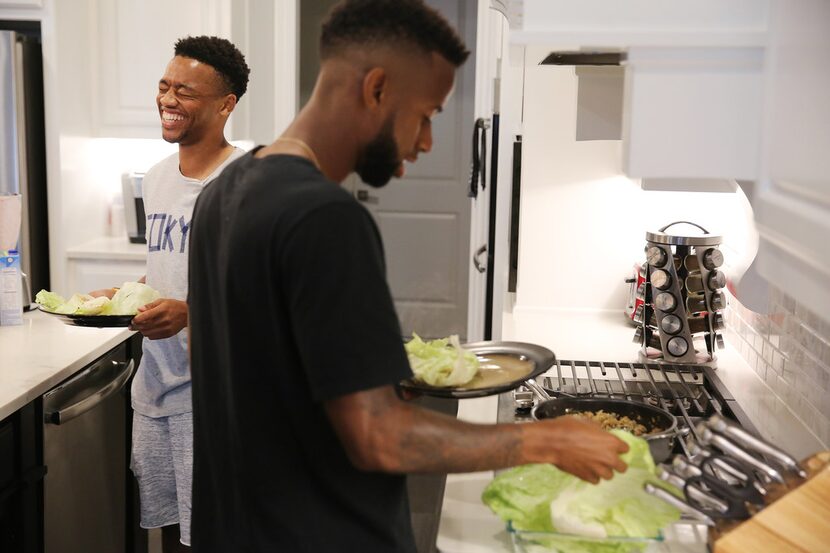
{"type": "Point", "coordinates": [220, 54]}
{"type": "Point", "coordinates": [375, 22]}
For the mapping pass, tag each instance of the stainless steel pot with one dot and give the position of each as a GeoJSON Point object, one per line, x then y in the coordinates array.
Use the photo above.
{"type": "Point", "coordinates": [659, 443]}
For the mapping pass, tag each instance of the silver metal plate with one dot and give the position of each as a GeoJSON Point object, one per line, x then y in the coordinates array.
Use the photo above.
{"type": "Point", "coordinates": [539, 360]}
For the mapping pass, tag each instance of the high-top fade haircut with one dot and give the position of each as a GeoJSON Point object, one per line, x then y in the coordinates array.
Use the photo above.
{"type": "Point", "coordinates": [390, 22]}
{"type": "Point", "coordinates": [220, 54]}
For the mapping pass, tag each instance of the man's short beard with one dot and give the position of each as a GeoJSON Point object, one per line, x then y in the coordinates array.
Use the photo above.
{"type": "Point", "coordinates": [378, 161]}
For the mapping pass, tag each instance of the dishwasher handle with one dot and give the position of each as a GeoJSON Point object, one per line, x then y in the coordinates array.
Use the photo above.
{"type": "Point", "coordinates": [114, 385]}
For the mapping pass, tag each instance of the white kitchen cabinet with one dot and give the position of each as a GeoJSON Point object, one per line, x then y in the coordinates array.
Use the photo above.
{"type": "Point", "coordinates": [93, 274]}
{"type": "Point", "coordinates": [21, 4]}
{"type": "Point", "coordinates": [133, 41]}
{"type": "Point", "coordinates": [692, 113]}
{"type": "Point", "coordinates": [693, 83]}
{"type": "Point", "coordinates": [625, 23]}
{"type": "Point", "coordinates": [104, 263]}
{"type": "Point", "coordinates": [792, 205]}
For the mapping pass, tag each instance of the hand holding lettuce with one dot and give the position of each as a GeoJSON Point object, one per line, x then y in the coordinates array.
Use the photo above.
{"type": "Point", "coordinates": [542, 498]}
{"type": "Point", "coordinates": [125, 301]}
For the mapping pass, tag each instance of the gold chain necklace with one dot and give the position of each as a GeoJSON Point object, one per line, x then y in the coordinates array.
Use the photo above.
{"type": "Point", "coordinates": [305, 147]}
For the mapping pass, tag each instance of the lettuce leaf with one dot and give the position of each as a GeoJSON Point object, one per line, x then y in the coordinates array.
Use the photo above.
{"type": "Point", "coordinates": [93, 306]}
{"type": "Point", "coordinates": [542, 498]}
{"type": "Point", "coordinates": [441, 362]}
{"type": "Point", "coordinates": [130, 297]}
{"type": "Point", "coordinates": [126, 301]}
{"type": "Point", "coordinates": [75, 302]}
{"type": "Point", "coordinates": [49, 300]}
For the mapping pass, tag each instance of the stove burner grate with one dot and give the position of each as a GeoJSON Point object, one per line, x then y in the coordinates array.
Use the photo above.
{"type": "Point", "coordinates": [689, 392]}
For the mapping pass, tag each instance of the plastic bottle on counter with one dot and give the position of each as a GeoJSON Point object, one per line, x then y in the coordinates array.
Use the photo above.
{"type": "Point", "coordinates": [11, 289]}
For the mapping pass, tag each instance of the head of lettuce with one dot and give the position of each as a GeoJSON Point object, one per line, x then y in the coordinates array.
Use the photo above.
{"type": "Point", "coordinates": [542, 498]}
{"type": "Point", "coordinates": [125, 301]}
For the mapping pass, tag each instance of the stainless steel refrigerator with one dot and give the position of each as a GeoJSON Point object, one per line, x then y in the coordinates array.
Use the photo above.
{"type": "Point", "coordinates": [23, 145]}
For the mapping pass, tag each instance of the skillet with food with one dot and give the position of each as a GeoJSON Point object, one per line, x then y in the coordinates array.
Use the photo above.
{"type": "Point", "coordinates": [657, 426]}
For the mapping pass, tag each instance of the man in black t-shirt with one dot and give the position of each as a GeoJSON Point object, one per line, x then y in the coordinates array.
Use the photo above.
{"type": "Point", "coordinates": [300, 442]}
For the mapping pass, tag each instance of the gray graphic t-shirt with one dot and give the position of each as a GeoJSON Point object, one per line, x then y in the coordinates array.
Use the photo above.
{"type": "Point", "coordinates": [162, 383]}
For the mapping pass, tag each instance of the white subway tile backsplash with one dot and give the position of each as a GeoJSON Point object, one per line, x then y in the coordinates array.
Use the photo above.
{"type": "Point", "coordinates": [790, 350]}
{"type": "Point", "coordinates": [777, 361]}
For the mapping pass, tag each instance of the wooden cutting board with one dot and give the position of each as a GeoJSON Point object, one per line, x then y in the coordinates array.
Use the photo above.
{"type": "Point", "coordinates": [798, 522]}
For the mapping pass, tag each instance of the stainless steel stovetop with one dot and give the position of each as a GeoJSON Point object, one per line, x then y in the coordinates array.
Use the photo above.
{"type": "Point", "coordinates": [689, 392]}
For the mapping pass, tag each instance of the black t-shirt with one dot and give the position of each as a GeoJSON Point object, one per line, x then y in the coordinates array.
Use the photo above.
{"type": "Point", "coordinates": [289, 307]}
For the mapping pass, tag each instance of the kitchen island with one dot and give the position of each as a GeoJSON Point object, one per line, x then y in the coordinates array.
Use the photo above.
{"type": "Point", "coordinates": [42, 352]}
{"type": "Point", "coordinates": [468, 526]}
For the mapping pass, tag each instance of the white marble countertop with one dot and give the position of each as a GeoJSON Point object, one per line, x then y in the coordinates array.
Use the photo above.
{"type": "Point", "coordinates": [468, 526]}
{"type": "Point", "coordinates": [110, 248]}
{"type": "Point", "coordinates": [41, 353]}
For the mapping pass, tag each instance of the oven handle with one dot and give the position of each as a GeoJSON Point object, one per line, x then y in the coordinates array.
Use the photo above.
{"type": "Point", "coordinates": [66, 414]}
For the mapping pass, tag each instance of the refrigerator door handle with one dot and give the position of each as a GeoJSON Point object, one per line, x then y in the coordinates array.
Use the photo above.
{"type": "Point", "coordinates": [478, 170]}
{"type": "Point", "coordinates": [65, 413]}
{"type": "Point", "coordinates": [515, 208]}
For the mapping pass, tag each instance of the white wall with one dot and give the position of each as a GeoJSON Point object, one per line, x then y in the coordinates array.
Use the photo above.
{"type": "Point", "coordinates": [583, 223]}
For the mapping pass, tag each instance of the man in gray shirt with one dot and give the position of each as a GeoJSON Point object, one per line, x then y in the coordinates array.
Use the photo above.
{"type": "Point", "coordinates": [198, 91]}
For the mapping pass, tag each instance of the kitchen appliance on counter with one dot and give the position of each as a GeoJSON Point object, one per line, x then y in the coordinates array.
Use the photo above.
{"type": "Point", "coordinates": [23, 151]}
{"type": "Point", "coordinates": [135, 219]}
{"type": "Point", "coordinates": [87, 497]}
{"type": "Point", "coordinates": [679, 313]}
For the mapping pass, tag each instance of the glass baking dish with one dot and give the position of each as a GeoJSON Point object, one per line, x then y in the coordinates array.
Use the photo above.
{"type": "Point", "coordinates": [556, 542]}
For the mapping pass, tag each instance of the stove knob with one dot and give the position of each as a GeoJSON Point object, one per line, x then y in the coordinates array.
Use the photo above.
{"type": "Point", "coordinates": [665, 302]}
{"type": "Point", "coordinates": [677, 346]}
{"type": "Point", "coordinates": [712, 258]}
{"type": "Point", "coordinates": [655, 256]}
{"type": "Point", "coordinates": [671, 324]}
{"type": "Point", "coordinates": [717, 280]}
{"type": "Point", "coordinates": [717, 322]}
{"type": "Point", "coordinates": [661, 279]}
{"type": "Point", "coordinates": [719, 341]}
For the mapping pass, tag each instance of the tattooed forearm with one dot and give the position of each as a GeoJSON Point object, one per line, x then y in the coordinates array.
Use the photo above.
{"type": "Point", "coordinates": [439, 443]}
{"type": "Point", "coordinates": [379, 432]}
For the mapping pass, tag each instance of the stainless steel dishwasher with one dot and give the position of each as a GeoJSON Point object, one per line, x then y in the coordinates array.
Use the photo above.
{"type": "Point", "coordinates": [85, 452]}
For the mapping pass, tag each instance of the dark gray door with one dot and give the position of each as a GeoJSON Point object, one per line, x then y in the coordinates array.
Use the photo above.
{"type": "Point", "coordinates": [425, 217]}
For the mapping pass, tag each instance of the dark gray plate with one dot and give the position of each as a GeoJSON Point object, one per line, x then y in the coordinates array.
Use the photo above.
{"type": "Point", "coordinates": [96, 321]}
{"type": "Point", "coordinates": [537, 359]}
